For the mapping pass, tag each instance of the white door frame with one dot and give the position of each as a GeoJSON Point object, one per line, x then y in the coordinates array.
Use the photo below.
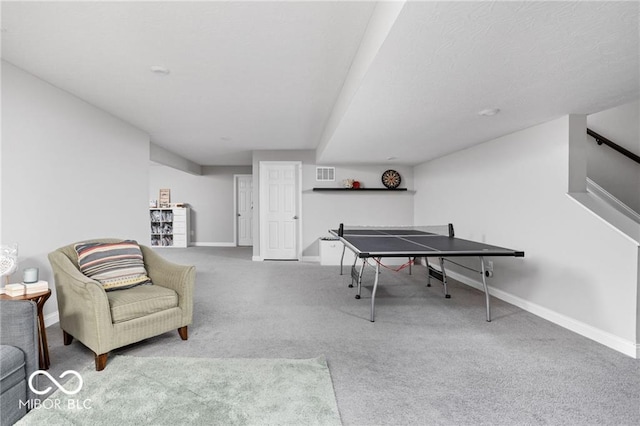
{"type": "Point", "coordinates": [263, 206]}
{"type": "Point", "coordinates": [235, 206]}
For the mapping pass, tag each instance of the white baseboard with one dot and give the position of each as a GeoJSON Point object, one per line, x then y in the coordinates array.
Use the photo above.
{"type": "Point", "coordinates": [612, 341]}
{"type": "Point", "coordinates": [304, 259]}
{"type": "Point", "coordinates": [51, 319]}
{"type": "Point", "coordinates": [199, 244]}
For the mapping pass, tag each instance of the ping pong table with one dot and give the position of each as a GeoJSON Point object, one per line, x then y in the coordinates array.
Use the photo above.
{"type": "Point", "coordinates": [414, 242]}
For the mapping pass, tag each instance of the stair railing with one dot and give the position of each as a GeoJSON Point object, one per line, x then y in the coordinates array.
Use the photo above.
{"type": "Point", "coordinates": [602, 140]}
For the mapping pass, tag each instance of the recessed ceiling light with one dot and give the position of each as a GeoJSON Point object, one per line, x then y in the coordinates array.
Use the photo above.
{"type": "Point", "coordinates": [160, 70]}
{"type": "Point", "coordinates": [489, 112]}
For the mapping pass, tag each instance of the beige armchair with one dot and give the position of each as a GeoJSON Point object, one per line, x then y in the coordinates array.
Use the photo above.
{"type": "Point", "coordinates": [104, 321]}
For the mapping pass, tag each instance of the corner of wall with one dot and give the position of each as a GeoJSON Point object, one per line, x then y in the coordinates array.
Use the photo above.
{"type": "Point", "coordinates": [577, 153]}
{"type": "Point", "coordinates": [170, 159]}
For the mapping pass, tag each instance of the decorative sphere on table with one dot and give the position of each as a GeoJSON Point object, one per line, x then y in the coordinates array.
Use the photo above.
{"type": "Point", "coordinates": [8, 259]}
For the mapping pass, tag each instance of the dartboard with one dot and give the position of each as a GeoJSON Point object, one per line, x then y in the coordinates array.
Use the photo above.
{"type": "Point", "coordinates": [391, 179]}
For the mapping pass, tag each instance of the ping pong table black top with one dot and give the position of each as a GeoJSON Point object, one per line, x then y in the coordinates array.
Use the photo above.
{"type": "Point", "coordinates": [367, 242]}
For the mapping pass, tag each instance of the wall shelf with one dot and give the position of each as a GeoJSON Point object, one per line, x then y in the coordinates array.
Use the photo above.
{"type": "Point", "coordinates": [360, 189]}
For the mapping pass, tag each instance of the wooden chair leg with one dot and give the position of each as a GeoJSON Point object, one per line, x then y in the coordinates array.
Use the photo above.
{"type": "Point", "coordinates": [182, 331]}
{"type": "Point", "coordinates": [101, 361]}
{"type": "Point", "coordinates": [67, 338]}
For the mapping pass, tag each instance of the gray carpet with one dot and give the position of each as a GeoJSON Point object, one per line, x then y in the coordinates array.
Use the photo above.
{"type": "Point", "coordinates": [426, 360]}
{"type": "Point", "coordinates": [196, 391]}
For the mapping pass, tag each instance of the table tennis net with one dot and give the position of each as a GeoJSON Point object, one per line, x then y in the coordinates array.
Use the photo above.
{"type": "Point", "coordinates": [368, 230]}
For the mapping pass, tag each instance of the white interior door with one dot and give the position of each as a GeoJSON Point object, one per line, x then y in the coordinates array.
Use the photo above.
{"type": "Point", "coordinates": [279, 210]}
{"type": "Point", "coordinates": [244, 210]}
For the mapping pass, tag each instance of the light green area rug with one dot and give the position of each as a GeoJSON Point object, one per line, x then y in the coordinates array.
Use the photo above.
{"type": "Point", "coordinates": [201, 391]}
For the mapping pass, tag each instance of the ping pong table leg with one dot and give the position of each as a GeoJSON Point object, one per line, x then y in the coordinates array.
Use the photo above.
{"type": "Point", "coordinates": [360, 279]}
{"type": "Point", "coordinates": [444, 279]}
{"type": "Point", "coordinates": [373, 293]}
{"type": "Point", "coordinates": [344, 247]}
{"type": "Point", "coordinates": [486, 289]}
{"type": "Point", "coordinates": [354, 274]}
{"type": "Point", "coordinates": [426, 261]}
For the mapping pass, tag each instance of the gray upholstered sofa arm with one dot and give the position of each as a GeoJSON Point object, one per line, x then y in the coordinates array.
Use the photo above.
{"type": "Point", "coordinates": [19, 319]}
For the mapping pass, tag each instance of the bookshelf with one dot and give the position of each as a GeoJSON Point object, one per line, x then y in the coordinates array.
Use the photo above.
{"type": "Point", "coordinates": [169, 226]}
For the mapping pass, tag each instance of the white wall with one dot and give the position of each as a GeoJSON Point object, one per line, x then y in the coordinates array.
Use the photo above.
{"type": "Point", "coordinates": [209, 195]}
{"type": "Point", "coordinates": [617, 174]}
{"type": "Point", "coordinates": [512, 192]}
{"type": "Point", "coordinates": [69, 172]}
{"type": "Point", "coordinates": [324, 210]}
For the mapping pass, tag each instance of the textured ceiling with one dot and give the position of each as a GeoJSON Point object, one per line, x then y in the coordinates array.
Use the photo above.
{"type": "Point", "coordinates": [442, 63]}
{"type": "Point", "coordinates": [244, 76]}
{"type": "Point", "coordinates": [271, 75]}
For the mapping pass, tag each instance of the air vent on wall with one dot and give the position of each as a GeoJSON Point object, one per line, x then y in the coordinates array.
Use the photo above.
{"type": "Point", "coordinates": [324, 174]}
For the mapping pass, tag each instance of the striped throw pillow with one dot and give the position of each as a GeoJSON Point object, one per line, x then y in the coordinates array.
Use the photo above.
{"type": "Point", "coordinates": [115, 265]}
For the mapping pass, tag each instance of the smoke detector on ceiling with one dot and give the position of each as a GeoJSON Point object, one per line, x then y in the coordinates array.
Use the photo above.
{"type": "Point", "coordinates": [160, 70]}
{"type": "Point", "coordinates": [489, 112]}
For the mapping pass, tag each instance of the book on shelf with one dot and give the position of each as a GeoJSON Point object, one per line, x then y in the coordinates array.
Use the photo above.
{"type": "Point", "coordinates": [36, 287]}
{"type": "Point", "coordinates": [14, 290]}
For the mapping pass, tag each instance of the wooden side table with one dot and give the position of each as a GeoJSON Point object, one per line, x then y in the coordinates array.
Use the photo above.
{"type": "Point", "coordinates": [40, 298]}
